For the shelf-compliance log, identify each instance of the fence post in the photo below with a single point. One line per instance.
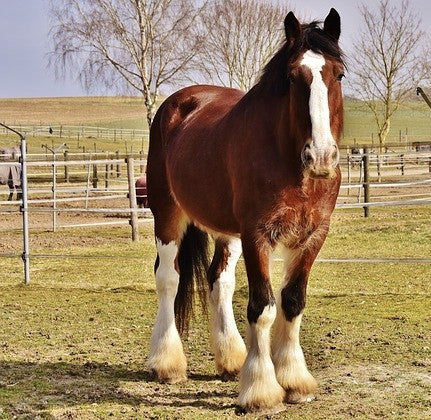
(348, 172)
(117, 156)
(66, 167)
(366, 160)
(24, 210)
(106, 172)
(87, 191)
(141, 155)
(111, 169)
(132, 199)
(95, 175)
(54, 193)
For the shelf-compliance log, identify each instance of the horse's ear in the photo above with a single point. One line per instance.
(332, 24)
(292, 27)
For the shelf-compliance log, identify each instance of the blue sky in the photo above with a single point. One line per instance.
(24, 27)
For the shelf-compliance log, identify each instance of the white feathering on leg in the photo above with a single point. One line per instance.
(289, 362)
(166, 355)
(228, 345)
(258, 384)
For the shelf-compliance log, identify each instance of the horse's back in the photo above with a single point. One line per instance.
(196, 106)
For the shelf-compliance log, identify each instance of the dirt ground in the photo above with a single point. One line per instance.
(73, 344)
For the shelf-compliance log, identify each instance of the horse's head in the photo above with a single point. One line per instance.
(315, 109)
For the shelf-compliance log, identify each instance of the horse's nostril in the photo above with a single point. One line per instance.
(335, 154)
(307, 156)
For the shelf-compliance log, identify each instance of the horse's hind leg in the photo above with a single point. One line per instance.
(290, 366)
(11, 191)
(19, 193)
(166, 357)
(228, 345)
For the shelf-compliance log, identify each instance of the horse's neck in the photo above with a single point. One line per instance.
(265, 119)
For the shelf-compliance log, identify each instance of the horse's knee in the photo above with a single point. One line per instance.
(293, 296)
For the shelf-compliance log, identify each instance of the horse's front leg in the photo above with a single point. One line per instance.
(258, 384)
(290, 366)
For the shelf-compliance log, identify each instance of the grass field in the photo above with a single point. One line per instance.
(73, 343)
(126, 112)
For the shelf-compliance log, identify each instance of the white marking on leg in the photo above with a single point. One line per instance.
(258, 384)
(290, 366)
(228, 345)
(319, 106)
(166, 356)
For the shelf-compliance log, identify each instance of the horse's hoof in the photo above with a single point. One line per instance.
(168, 377)
(294, 397)
(261, 412)
(228, 376)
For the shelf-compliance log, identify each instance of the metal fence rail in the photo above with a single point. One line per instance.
(44, 198)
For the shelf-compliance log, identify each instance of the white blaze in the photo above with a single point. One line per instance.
(321, 135)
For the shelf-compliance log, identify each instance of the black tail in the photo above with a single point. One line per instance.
(193, 262)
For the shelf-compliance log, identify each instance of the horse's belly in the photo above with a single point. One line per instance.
(201, 188)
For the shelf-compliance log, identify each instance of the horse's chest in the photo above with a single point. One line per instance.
(296, 227)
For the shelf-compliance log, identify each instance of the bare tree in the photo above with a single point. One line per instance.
(386, 63)
(128, 44)
(242, 36)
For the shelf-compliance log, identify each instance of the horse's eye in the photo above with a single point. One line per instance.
(340, 76)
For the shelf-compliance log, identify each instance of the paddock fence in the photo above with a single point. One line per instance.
(78, 131)
(101, 187)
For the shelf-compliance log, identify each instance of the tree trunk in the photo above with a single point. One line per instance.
(150, 107)
(151, 111)
(382, 134)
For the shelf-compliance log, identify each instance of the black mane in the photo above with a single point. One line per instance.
(313, 37)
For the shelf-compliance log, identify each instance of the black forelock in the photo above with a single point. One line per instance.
(317, 40)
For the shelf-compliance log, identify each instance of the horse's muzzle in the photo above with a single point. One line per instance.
(318, 163)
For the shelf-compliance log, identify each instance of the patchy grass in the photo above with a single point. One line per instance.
(115, 112)
(73, 343)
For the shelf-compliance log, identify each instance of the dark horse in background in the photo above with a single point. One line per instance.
(141, 192)
(10, 175)
(254, 171)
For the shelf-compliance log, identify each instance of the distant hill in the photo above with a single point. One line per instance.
(121, 112)
(412, 120)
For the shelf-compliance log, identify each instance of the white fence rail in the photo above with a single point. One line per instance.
(97, 179)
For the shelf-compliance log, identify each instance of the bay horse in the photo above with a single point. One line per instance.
(253, 170)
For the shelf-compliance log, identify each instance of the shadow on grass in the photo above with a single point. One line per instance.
(30, 389)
